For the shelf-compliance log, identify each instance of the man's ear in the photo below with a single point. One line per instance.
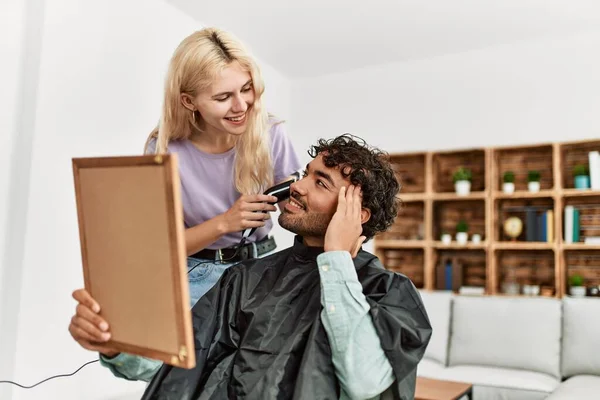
(365, 215)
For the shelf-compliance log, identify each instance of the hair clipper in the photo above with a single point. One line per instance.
(281, 191)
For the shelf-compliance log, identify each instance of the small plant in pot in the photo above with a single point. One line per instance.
(461, 232)
(462, 181)
(581, 176)
(446, 237)
(508, 182)
(533, 179)
(576, 288)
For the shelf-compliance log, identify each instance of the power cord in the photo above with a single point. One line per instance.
(52, 377)
(237, 250)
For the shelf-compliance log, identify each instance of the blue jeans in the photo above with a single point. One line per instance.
(206, 274)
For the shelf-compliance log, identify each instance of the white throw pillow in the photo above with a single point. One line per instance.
(438, 305)
(581, 337)
(521, 333)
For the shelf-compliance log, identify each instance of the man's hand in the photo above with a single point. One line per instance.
(343, 232)
(87, 327)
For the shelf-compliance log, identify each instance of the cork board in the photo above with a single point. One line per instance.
(133, 253)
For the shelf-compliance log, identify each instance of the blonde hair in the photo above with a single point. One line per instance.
(197, 61)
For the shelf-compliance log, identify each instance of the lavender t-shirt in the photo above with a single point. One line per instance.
(207, 187)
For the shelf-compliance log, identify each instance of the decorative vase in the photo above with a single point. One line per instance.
(476, 238)
(446, 238)
(533, 187)
(582, 182)
(461, 237)
(462, 188)
(511, 288)
(508, 187)
(577, 291)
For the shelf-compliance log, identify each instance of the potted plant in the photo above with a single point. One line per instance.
(476, 238)
(577, 289)
(533, 179)
(446, 237)
(462, 181)
(581, 176)
(461, 232)
(508, 182)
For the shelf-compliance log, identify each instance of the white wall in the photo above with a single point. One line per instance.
(20, 41)
(528, 92)
(100, 82)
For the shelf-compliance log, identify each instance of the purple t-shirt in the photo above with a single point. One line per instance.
(207, 187)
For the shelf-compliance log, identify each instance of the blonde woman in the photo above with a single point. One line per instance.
(230, 150)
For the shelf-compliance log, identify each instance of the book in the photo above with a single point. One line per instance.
(550, 226)
(568, 233)
(576, 226)
(594, 166)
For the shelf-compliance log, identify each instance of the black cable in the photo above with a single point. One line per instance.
(52, 377)
(93, 361)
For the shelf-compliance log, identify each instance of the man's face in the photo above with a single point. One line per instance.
(313, 201)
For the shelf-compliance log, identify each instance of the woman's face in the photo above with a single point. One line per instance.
(224, 106)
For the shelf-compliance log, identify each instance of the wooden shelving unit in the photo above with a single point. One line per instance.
(431, 206)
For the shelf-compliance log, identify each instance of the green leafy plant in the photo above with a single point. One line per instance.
(580, 170)
(462, 226)
(576, 280)
(509, 177)
(533, 176)
(462, 174)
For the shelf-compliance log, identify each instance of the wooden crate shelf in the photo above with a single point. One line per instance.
(585, 263)
(524, 194)
(410, 262)
(410, 170)
(457, 246)
(446, 163)
(464, 268)
(529, 211)
(572, 154)
(447, 214)
(454, 196)
(409, 224)
(580, 193)
(521, 160)
(430, 206)
(588, 209)
(521, 268)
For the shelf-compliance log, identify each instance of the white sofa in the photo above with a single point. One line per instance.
(526, 348)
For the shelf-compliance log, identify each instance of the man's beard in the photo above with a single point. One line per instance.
(305, 224)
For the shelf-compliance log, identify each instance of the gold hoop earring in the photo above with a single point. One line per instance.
(194, 116)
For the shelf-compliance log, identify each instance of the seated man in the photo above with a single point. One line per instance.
(322, 319)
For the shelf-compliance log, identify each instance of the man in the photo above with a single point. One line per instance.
(319, 320)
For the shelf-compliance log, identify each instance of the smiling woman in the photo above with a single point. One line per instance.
(229, 151)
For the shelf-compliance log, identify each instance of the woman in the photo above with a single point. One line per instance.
(229, 151)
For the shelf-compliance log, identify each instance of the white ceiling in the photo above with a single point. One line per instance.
(316, 37)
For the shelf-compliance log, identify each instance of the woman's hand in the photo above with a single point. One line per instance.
(246, 212)
(87, 327)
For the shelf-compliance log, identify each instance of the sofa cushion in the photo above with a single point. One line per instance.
(581, 336)
(438, 306)
(493, 383)
(506, 332)
(430, 369)
(577, 387)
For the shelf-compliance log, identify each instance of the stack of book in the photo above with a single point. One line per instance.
(539, 225)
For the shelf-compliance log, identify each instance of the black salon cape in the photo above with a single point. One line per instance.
(258, 332)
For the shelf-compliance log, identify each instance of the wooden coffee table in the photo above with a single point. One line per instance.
(434, 389)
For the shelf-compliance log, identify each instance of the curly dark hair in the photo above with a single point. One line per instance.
(370, 168)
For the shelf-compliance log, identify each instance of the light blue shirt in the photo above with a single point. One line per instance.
(361, 366)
